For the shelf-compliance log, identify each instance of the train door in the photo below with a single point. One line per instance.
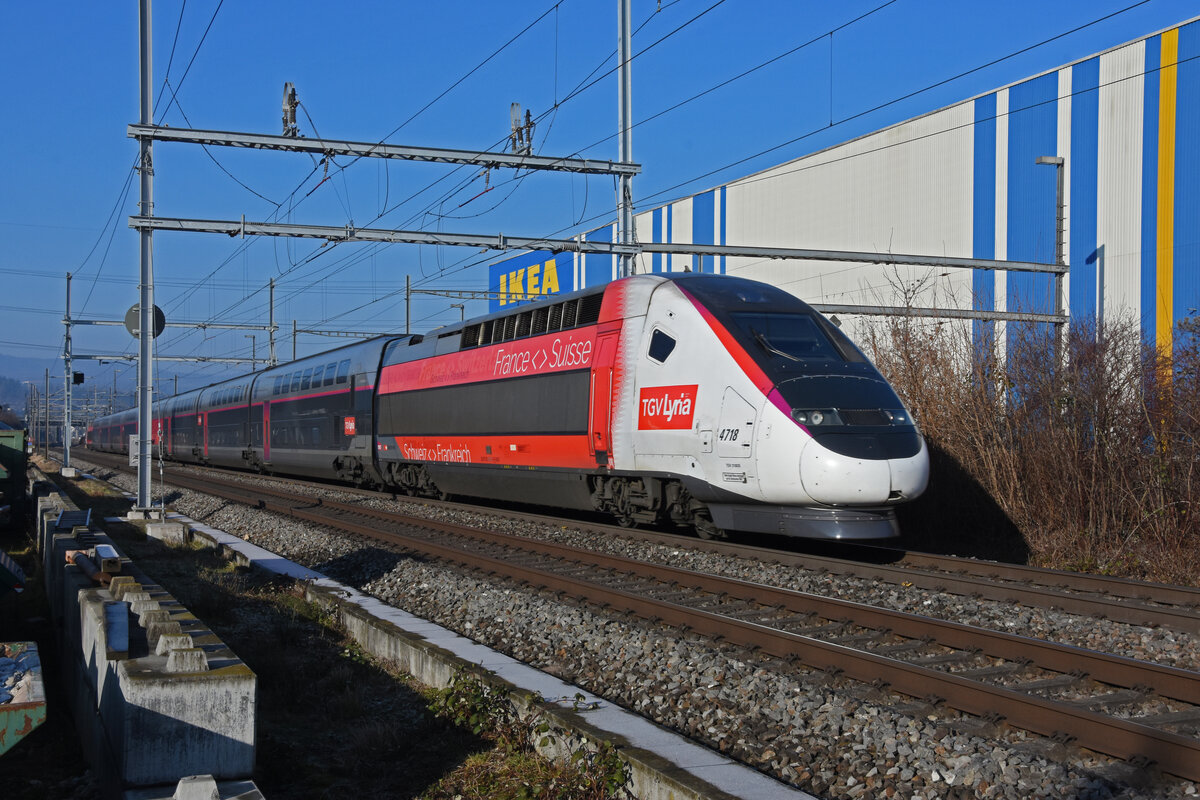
(266, 430)
(600, 407)
(735, 433)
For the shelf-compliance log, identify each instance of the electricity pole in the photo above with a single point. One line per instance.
(146, 309)
(625, 139)
(46, 419)
(66, 471)
(271, 326)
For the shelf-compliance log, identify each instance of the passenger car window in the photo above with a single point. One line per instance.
(306, 378)
(343, 373)
(330, 374)
(661, 345)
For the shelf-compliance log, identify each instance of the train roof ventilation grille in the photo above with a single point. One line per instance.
(535, 321)
(539, 320)
(589, 309)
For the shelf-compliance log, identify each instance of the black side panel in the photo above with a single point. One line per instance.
(310, 423)
(539, 487)
(227, 428)
(542, 404)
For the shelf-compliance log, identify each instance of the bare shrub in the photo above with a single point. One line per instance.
(1085, 454)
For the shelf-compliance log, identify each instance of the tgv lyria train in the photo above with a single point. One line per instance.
(700, 400)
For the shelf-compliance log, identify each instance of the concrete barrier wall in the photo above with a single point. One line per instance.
(155, 695)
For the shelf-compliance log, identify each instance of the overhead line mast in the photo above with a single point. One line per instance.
(625, 142)
(146, 284)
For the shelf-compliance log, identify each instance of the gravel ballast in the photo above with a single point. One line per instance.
(837, 739)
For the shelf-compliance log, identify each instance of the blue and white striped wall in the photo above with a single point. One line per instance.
(962, 181)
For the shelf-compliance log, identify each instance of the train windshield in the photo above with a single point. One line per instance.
(785, 336)
(790, 337)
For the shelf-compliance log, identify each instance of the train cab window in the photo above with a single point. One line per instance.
(343, 373)
(788, 337)
(306, 379)
(661, 345)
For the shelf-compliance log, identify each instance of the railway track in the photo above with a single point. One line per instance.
(1122, 707)
(1098, 596)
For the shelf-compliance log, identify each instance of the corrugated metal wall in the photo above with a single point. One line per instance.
(963, 181)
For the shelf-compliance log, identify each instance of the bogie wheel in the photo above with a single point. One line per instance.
(706, 529)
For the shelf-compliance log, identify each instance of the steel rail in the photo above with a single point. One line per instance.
(1172, 682)
(1175, 754)
(979, 579)
(1179, 684)
(1076, 581)
(1126, 609)
(1187, 598)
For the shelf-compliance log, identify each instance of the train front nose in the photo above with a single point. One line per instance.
(864, 448)
(837, 479)
(844, 472)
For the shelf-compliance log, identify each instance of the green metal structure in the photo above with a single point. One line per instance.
(23, 703)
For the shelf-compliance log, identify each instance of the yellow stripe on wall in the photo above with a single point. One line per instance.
(1165, 273)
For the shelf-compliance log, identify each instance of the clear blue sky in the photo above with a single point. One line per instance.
(365, 69)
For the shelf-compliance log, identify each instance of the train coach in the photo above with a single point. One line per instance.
(704, 401)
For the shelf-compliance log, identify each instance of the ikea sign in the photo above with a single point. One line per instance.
(529, 276)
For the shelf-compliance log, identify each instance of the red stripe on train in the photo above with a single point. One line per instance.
(540, 355)
(555, 450)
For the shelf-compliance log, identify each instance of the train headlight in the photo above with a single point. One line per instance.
(899, 416)
(816, 416)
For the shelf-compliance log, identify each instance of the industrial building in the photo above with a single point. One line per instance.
(965, 181)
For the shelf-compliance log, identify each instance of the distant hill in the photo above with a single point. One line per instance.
(29, 369)
(13, 395)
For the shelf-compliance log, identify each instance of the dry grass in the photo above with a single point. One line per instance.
(1088, 465)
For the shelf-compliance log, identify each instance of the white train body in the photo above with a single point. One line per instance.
(712, 413)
